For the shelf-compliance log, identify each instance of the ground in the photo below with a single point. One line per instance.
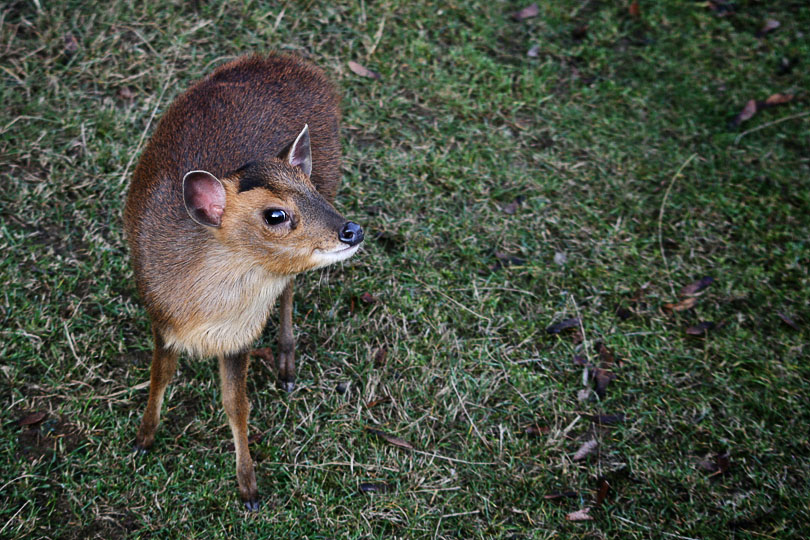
(512, 346)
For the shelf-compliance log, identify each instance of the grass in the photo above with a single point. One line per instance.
(611, 149)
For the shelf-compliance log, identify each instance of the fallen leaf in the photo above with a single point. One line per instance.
(778, 99)
(717, 465)
(769, 26)
(606, 356)
(126, 92)
(32, 419)
(579, 515)
(71, 44)
(390, 439)
(697, 286)
(375, 402)
(534, 52)
(563, 325)
(606, 419)
(512, 207)
(788, 320)
(363, 71)
(603, 378)
(748, 111)
(526, 13)
(379, 356)
(369, 487)
(554, 495)
(368, 298)
(585, 450)
(265, 353)
(634, 9)
(700, 329)
(602, 491)
(683, 305)
(535, 430)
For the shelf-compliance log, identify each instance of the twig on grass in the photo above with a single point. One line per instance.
(661, 219)
(769, 124)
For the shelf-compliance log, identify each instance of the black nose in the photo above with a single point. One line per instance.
(351, 233)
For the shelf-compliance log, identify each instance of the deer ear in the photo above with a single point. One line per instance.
(300, 152)
(204, 196)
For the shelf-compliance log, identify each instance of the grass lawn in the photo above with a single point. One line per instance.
(587, 163)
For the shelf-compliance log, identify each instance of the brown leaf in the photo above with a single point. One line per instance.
(265, 354)
(634, 10)
(606, 356)
(563, 325)
(554, 495)
(700, 329)
(748, 111)
(368, 298)
(602, 491)
(379, 356)
(607, 419)
(363, 71)
(788, 320)
(535, 430)
(585, 450)
(683, 305)
(370, 487)
(71, 44)
(778, 99)
(390, 439)
(697, 286)
(375, 402)
(579, 515)
(769, 26)
(125, 92)
(526, 13)
(32, 419)
(603, 378)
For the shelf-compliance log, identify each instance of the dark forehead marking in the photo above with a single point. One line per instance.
(268, 175)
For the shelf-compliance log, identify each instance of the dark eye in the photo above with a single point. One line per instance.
(275, 217)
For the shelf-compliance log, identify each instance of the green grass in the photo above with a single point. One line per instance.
(588, 136)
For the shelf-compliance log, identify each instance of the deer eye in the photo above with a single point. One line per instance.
(275, 217)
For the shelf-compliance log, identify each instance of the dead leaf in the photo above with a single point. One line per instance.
(606, 419)
(32, 418)
(748, 111)
(125, 92)
(769, 26)
(390, 439)
(700, 329)
(602, 491)
(71, 44)
(697, 286)
(265, 353)
(579, 515)
(534, 52)
(535, 431)
(778, 99)
(634, 10)
(788, 320)
(603, 378)
(369, 487)
(379, 356)
(375, 402)
(563, 325)
(512, 207)
(683, 305)
(526, 13)
(606, 356)
(717, 465)
(368, 298)
(363, 71)
(585, 450)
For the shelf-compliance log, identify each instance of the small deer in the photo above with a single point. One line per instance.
(231, 199)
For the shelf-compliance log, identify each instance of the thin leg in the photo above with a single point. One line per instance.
(164, 363)
(286, 341)
(233, 375)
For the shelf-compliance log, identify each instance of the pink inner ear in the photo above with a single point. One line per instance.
(204, 197)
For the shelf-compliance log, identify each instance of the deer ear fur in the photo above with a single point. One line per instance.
(204, 197)
(301, 153)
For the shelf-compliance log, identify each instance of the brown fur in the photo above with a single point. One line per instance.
(208, 289)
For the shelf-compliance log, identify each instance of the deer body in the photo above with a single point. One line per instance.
(231, 198)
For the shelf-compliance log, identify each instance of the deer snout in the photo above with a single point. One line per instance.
(351, 233)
